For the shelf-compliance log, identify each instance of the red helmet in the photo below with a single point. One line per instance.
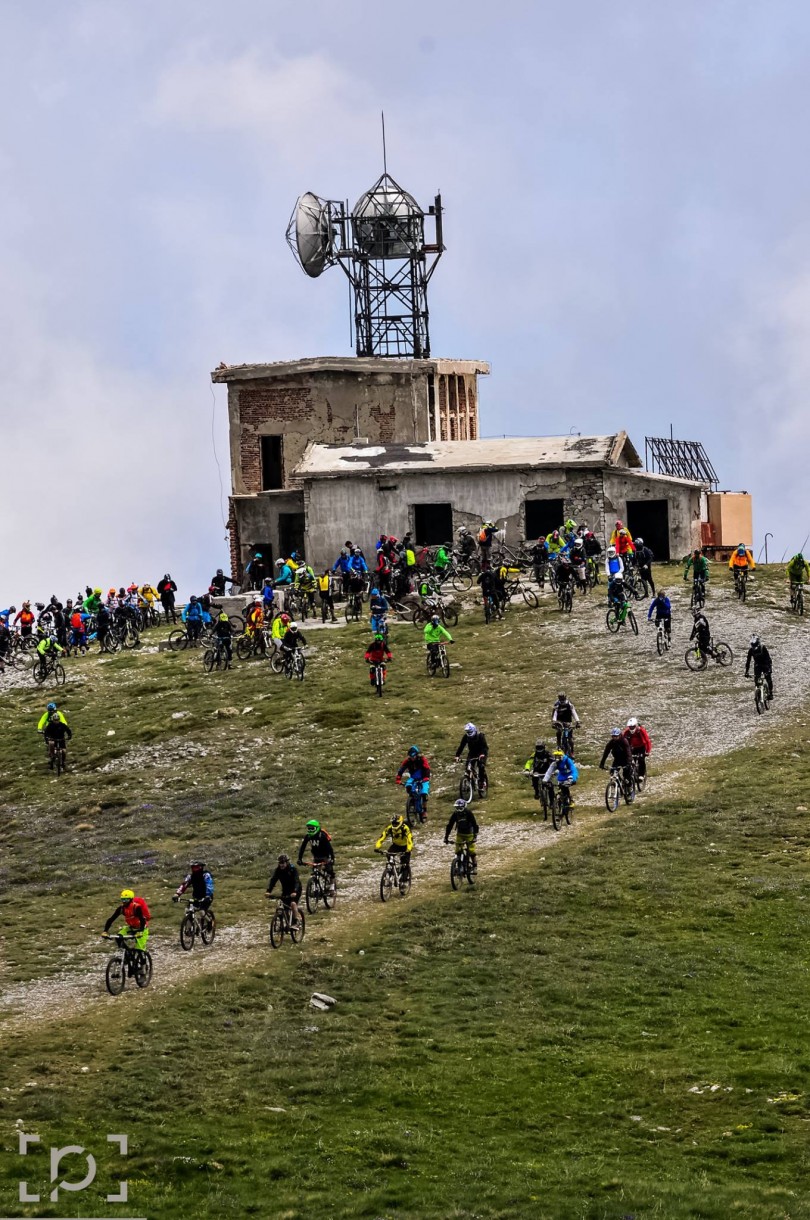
(285, 618)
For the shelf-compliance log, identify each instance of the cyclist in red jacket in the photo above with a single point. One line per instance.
(136, 916)
(377, 653)
(640, 745)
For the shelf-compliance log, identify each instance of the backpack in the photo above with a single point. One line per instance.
(482, 535)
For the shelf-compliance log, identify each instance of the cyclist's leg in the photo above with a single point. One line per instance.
(142, 939)
(460, 840)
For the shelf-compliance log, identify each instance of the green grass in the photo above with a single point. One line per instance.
(527, 1049)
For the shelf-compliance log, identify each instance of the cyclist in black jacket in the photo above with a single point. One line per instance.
(619, 747)
(476, 745)
(466, 826)
(287, 876)
(320, 844)
(763, 664)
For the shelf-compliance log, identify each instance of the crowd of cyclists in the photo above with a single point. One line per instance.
(398, 578)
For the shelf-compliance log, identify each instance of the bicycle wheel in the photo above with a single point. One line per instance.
(487, 610)
(450, 617)
(298, 930)
(37, 674)
(483, 789)
(277, 930)
(631, 618)
(386, 884)
(723, 654)
(115, 976)
(378, 681)
(188, 930)
(208, 928)
(612, 795)
(410, 812)
(59, 760)
(465, 788)
(313, 895)
(461, 582)
(445, 664)
(404, 886)
(276, 663)
(557, 811)
(329, 892)
(209, 660)
(300, 665)
(612, 620)
(530, 598)
(143, 970)
(456, 872)
(629, 791)
(659, 643)
(800, 602)
(696, 661)
(244, 648)
(178, 640)
(641, 782)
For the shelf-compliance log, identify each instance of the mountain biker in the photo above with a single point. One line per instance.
(401, 843)
(569, 530)
(223, 634)
(418, 769)
(579, 562)
(57, 731)
(565, 771)
(378, 605)
(320, 844)
(25, 618)
(279, 629)
(218, 582)
(798, 571)
(78, 631)
(292, 639)
(326, 595)
(47, 648)
(614, 564)
(593, 547)
(490, 584)
(287, 876)
(538, 764)
(466, 542)
(475, 743)
(254, 618)
(466, 826)
(268, 598)
(742, 560)
(701, 632)
(166, 590)
(619, 747)
(763, 665)
(202, 886)
(640, 744)
(377, 653)
(555, 543)
(306, 583)
(563, 715)
(435, 634)
(565, 573)
(192, 616)
(539, 557)
(45, 717)
(104, 621)
(441, 561)
(644, 559)
(136, 916)
(622, 540)
(285, 574)
(485, 536)
(661, 607)
(699, 564)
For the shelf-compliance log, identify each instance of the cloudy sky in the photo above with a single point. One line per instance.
(627, 222)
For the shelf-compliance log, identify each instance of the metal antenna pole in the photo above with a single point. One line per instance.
(385, 163)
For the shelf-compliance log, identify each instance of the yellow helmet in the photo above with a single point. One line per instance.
(127, 894)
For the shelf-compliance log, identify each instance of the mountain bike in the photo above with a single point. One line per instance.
(619, 785)
(282, 925)
(663, 638)
(741, 582)
(354, 608)
(493, 608)
(463, 868)
(321, 886)
(565, 597)
(513, 587)
(197, 922)
(128, 961)
(698, 599)
(293, 663)
(393, 878)
(251, 643)
(48, 667)
(617, 618)
(57, 756)
(797, 598)
(593, 572)
(379, 678)
(560, 805)
(639, 779)
(437, 662)
(697, 659)
(565, 738)
(216, 658)
(762, 696)
(416, 803)
(472, 781)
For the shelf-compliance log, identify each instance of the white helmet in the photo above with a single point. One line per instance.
(279, 563)
(292, 627)
(470, 729)
(611, 551)
(632, 723)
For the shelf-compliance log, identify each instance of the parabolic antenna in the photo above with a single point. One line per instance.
(309, 234)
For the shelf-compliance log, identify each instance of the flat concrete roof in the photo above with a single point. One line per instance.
(354, 365)
(361, 458)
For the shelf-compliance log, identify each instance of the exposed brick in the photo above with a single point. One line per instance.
(386, 423)
(263, 404)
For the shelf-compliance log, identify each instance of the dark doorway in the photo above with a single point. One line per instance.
(290, 533)
(649, 519)
(543, 516)
(266, 551)
(432, 524)
(272, 465)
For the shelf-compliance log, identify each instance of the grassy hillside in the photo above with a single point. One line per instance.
(544, 1046)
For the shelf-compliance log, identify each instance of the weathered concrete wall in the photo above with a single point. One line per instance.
(257, 521)
(684, 502)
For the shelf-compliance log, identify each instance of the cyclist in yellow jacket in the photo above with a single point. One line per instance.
(401, 842)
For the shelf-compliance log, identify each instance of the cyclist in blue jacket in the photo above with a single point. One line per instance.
(661, 607)
(564, 770)
(193, 618)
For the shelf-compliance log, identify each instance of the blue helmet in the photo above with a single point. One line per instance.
(51, 707)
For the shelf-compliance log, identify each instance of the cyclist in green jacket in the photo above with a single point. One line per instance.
(699, 564)
(798, 571)
(436, 634)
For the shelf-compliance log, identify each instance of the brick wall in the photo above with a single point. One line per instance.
(266, 404)
(386, 424)
(235, 543)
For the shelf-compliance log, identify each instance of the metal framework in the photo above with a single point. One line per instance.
(380, 245)
(680, 459)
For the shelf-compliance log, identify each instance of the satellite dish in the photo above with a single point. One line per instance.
(310, 234)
